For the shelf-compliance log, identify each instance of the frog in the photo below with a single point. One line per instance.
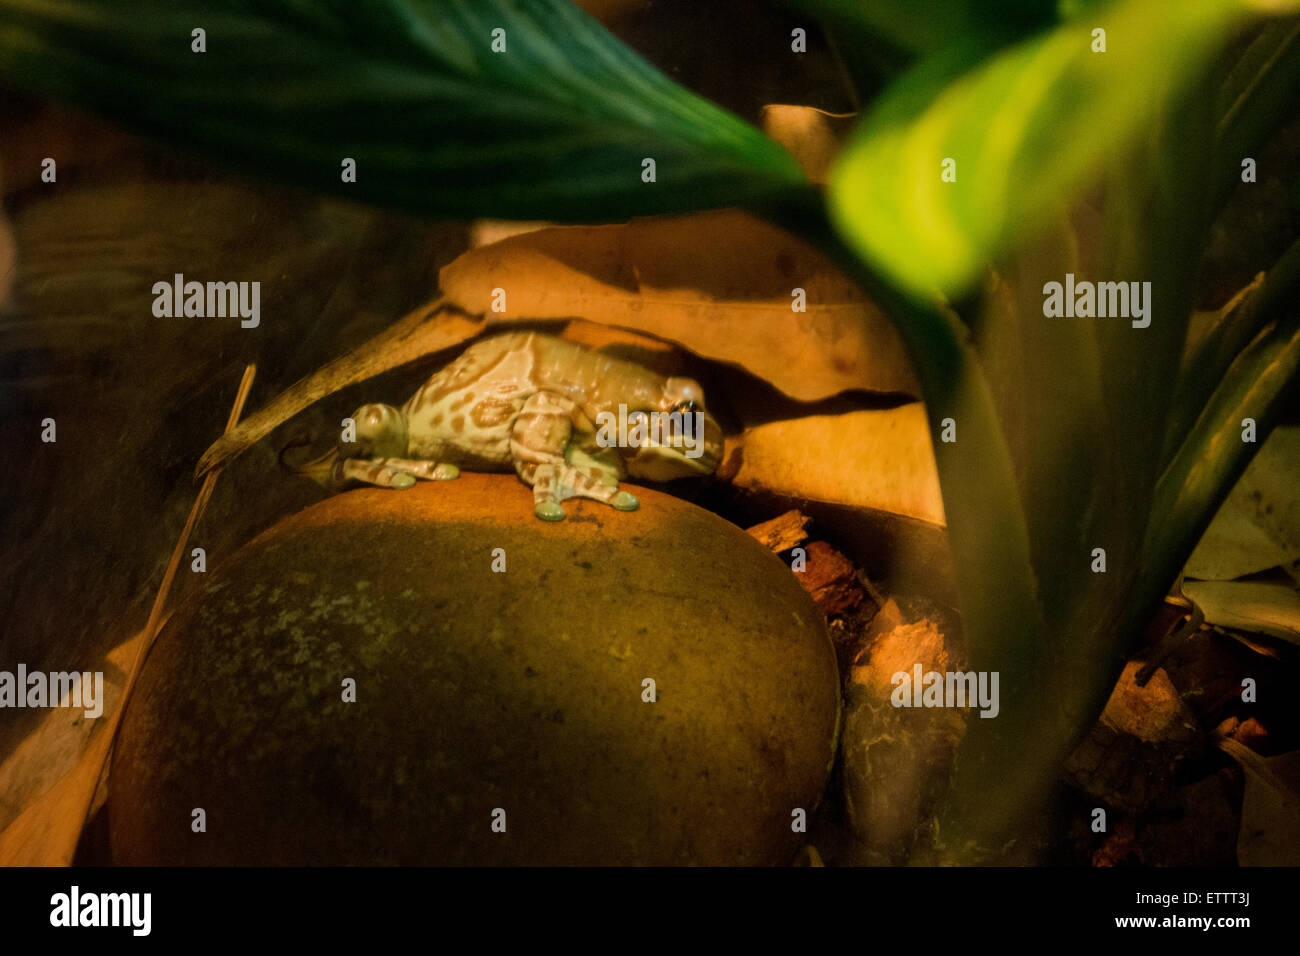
(543, 407)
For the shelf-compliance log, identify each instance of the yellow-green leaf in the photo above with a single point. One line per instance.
(1025, 131)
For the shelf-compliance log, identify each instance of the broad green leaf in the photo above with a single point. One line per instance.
(1065, 417)
(1154, 228)
(1071, 458)
(1213, 456)
(1266, 60)
(1081, 402)
(990, 544)
(557, 126)
(1046, 379)
(1220, 337)
(1257, 97)
(1213, 340)
(1249, 378)
(1028, 130)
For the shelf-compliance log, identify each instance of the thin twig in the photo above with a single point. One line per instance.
(1174, 639)
(160, 599)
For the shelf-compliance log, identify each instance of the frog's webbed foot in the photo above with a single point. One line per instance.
(556, 482)
(396, 473)
(548, 510)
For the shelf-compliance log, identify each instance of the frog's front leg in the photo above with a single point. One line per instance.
(369, 471)
(538, 443)
(421, 468)
(399, 473)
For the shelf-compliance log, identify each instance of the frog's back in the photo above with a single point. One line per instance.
(465, 412)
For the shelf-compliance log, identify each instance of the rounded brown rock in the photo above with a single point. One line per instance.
(478, 691)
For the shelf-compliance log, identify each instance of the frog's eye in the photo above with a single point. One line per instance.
(685, 407)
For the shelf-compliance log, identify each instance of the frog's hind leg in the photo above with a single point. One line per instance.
(538, 442)
(596, 475)
(399, 473)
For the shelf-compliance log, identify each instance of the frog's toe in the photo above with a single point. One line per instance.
(403, 481)
(549, 511)
(625, 502)
(446, 472)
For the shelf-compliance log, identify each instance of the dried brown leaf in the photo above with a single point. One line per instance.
(48, 829)
(1270, 809)
(425, 331)
(872, 458)
(1259, 606)
(719, 284)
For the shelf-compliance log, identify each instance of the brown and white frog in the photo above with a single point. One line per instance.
(571, 421)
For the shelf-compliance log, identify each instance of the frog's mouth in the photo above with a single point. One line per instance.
(663, 458)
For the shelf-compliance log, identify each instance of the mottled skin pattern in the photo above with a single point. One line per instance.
(527, 402)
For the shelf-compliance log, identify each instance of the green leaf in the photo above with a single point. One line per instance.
(1221, 337)
(1154, 229)
(990, 544)
(1213, 456)
(1067, 391)
(1046, 379)
(1028, 130)
(1213, 340)
(1256, 98)
(555, 127)
(1238, 364)
(1066, 416)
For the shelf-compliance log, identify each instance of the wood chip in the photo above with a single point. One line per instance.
(831, 579)
(783, 532)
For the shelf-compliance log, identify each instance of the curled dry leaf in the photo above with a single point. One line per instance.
(1261, 607)
(870, 458)
(484, 232)
(718, 284)
(1270, 810)
(52, 774)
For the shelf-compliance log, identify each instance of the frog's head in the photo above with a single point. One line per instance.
(380, 432)
(682, 438)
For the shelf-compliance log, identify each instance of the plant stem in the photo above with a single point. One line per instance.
(995, 776)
